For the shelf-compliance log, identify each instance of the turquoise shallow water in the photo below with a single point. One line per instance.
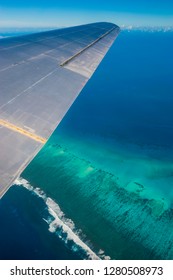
(109, 163)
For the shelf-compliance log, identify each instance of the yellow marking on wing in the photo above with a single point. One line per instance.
(22, 131)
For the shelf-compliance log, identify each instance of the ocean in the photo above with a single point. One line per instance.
(101, 186)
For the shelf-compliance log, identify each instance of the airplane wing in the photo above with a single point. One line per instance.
(40, 77)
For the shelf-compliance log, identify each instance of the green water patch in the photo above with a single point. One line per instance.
(135, 168)
(112, 216)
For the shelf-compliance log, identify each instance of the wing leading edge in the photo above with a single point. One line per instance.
(40, 76)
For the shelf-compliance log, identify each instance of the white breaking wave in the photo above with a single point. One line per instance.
(60, 221)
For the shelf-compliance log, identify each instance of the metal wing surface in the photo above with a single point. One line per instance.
(40, 77)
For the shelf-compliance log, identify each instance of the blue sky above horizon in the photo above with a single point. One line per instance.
(54, 13)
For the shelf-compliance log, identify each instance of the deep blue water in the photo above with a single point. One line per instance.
(122, 124)
(130, 97)
(24, 234)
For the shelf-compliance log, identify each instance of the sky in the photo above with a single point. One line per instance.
(55, 13)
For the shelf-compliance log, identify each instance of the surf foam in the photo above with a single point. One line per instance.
(60, 222)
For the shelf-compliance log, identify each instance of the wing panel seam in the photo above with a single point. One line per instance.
(87, 47)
